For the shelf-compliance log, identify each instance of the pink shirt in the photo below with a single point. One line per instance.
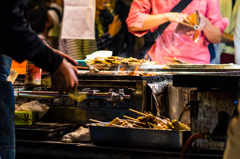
(172, 44)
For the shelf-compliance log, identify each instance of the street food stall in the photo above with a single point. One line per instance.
(129, 108)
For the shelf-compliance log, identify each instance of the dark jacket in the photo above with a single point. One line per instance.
(124, 42)
(18, 41)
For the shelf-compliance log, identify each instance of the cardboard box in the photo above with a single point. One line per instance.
(25, 117)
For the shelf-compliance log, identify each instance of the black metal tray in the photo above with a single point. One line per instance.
(138, 137)
(43, 130)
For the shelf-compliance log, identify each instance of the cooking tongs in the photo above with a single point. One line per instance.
(191, 23)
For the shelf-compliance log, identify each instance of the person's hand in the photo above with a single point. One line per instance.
(64, 79)
(190, 33)
(115, 26)
(204, 22)
(68, 58)
(176, 17)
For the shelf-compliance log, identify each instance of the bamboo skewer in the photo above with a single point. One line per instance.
(96, 121)
(148, 120)
(137, 112)
(138, 122)
(129, 117)
(120, 126)
(149, 125)
(154, 126)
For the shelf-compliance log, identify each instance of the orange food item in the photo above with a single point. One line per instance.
(19, 67)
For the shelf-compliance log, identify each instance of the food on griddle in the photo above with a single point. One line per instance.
(146, 120)
(176, 61)
(118, 60)
(136, 73)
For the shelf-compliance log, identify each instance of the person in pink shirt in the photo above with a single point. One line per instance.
(147, 15)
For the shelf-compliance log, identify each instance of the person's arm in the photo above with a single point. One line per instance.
(212, 23)
(107, 38)
(211, 32)
(227, 38)
(20, 43)
(60, 66)
(54, 41)
(158, 19)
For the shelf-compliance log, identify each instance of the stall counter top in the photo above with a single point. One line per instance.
(57, 149)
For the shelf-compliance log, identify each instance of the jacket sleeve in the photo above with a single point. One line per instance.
(17, 39)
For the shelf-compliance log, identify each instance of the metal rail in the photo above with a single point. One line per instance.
(92, 94)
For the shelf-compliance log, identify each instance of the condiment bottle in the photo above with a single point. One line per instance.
(33, 74)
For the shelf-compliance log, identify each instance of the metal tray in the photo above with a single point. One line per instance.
(114, 67)
(43, 130)
(139, 137)
(104, 66)
(207, 66)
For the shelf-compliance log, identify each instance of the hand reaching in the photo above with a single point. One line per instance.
(64, 79)
(176, 17)
(68, 58)
(115, 26)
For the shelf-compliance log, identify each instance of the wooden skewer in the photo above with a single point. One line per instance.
(96, 121)
(152, 114)
(134, 121)
(120, 126)
(129, 117)
(146, 113)
(138, 126)
(82, 68)
(106, 124)
(149, 125)
(137, 112)
(156, 126)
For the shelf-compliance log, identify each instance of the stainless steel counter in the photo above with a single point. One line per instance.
(29, 149)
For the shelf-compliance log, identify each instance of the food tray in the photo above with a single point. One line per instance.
(207, 66)
(137, 137)
(43, 130)
(104, 66)
(115, 67)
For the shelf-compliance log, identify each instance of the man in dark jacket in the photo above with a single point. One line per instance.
(18, 42)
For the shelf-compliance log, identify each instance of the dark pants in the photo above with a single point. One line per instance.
(7, 134)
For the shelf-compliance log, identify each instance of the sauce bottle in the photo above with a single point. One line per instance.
(33, 74)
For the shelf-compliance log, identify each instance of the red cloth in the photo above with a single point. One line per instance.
(226, 58)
